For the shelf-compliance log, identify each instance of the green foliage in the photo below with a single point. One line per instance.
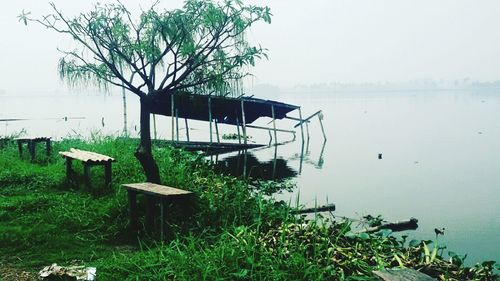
(235, 233)
(200, 47)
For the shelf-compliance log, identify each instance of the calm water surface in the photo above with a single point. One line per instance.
(440, 164)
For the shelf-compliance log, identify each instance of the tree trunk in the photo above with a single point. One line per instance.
(143, 152)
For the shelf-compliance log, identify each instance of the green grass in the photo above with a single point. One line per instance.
(235, 233)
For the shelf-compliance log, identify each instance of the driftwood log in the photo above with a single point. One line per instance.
(403, 274)
(410, 224)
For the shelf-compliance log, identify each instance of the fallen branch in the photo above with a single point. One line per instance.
(410, 224)
(325, 208)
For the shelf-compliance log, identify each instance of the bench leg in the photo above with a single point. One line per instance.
(163, 210)
(31, 148)
(86, 174)
(48, 147)
(20, 148)
(132, 209)
(69, 168)
(150, 207)
(107, 174)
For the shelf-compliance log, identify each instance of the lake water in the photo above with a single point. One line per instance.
(440, 154)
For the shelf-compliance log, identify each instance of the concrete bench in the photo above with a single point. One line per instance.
(88, 159)
(153, 193)
(31, 143)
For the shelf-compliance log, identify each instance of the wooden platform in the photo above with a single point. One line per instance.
(207, 147)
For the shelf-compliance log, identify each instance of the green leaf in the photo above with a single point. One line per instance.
(414, 243)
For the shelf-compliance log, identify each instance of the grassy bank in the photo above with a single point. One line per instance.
(234, 232)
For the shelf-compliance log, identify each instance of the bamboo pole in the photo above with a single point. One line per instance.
(172, 113)
(210, 116)
(274, 126)
(154, 125)
(301, 127)
(187, 128)
(217, 130)
(238, 128)
(244, 123)
(177, 123)
(320, 118)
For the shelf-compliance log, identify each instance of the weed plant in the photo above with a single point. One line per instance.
(234, 233)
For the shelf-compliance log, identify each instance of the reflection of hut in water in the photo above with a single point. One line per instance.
(276, 169)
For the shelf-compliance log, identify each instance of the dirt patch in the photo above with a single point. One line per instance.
(13, 274)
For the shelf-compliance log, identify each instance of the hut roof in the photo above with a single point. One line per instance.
(224, 110)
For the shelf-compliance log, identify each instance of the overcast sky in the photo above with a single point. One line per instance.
(309, 42)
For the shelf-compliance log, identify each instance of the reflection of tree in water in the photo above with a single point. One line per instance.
(276, 169)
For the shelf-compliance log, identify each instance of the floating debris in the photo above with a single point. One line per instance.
(79, 273)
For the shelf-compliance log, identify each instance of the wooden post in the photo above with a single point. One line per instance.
(217, 130)
(69, 170)
(107, 173)
(187, 128)
(238, 128)
(86, 173)
(132, 208)
(172, 114)
(244, 127)
(274, 126)
(320, 117)
(301, 127)
(177, 123)
(210, 116)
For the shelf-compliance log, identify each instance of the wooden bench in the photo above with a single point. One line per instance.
(4, 142)
(31, 143)
(89, 159)
(164, 194)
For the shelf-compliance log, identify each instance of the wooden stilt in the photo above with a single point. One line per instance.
(274, 126)
(177, 123)
(210, 116)
(187, 128)
(172, 114)
(244, 123)
(307, 130)
(275, 161)
(154, 126)
(217, 130)
(320, 118)
(301, 127)
(238, 128)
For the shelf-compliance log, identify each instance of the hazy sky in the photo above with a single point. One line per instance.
(309, 41)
